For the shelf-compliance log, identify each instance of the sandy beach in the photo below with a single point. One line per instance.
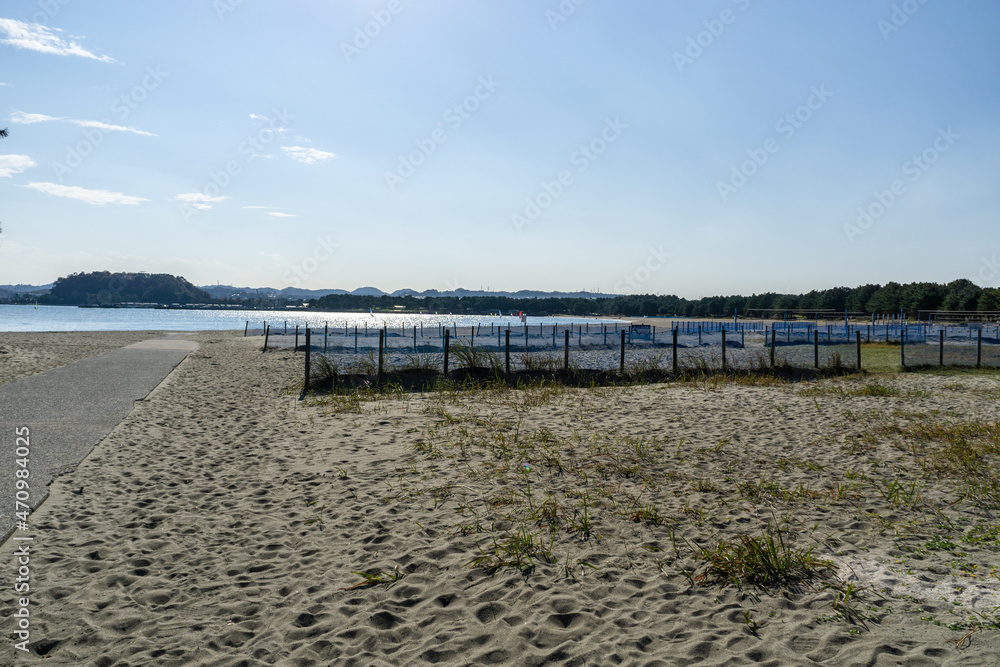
(226, 522)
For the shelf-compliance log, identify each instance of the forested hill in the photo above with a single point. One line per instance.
(888, 298)
(105, 288)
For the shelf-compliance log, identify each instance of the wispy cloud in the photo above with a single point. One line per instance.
(98, 197)
(28, 118)
(308, 155)
(4, 84)
(108, 127)
(23, 118)
(279, 214)
(15, 164)
(37, 37)
(264, 207)
(199, 201)
(266, 121)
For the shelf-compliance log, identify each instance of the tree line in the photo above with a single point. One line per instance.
(872, 298)
(105, 288)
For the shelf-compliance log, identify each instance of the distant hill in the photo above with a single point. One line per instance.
(26, 289)
(105, 288)
(522, 294)
(232, 293)
(243, 293)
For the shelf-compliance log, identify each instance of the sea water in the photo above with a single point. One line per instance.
(72, 318)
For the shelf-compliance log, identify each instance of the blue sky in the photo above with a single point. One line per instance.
(717, 147)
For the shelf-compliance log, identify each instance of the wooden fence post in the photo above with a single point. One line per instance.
(941, 349)
(816, 348)
(305, 385)
(267, 331)
(381, 344)
(245, 329)
(902, 348)
(566, 352)
(772, 346)
(621, 366)
(858, 334)
(506, 351)
(723, 348)
(979, 349)
(675, 351)
(326, 331)
(447, 340)
(296, 338)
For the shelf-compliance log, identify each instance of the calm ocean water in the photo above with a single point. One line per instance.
(70, 318)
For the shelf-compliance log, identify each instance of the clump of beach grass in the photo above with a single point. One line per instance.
(538, 362)
(764, 560)
(468, 356)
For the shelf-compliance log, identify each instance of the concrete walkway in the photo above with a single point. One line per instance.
(70, 409)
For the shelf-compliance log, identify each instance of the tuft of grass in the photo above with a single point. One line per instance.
(467, 356)
(421, 361)
(365, 364)
(765, 560)
(375, 578)
(515, 550)
(898, 492)
(323, 373)
(648, 515)
(875, 388)
(847, 600)
(538, 362)
(650, 365)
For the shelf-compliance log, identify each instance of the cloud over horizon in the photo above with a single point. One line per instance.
(96, 197)
(40, 38)
(22, 118)
(15, 164)
(199, 201)
(308, 155)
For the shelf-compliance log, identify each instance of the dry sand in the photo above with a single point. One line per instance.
(24, 354)
(224, 523)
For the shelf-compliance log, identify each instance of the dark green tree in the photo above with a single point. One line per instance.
(886, 300)
(961, 295)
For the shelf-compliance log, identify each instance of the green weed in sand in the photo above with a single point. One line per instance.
(515, 550)
(375, 578)
(764, 560)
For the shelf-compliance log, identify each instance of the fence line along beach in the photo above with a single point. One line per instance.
(684, 346)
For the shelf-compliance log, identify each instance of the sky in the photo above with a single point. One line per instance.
(666, 147)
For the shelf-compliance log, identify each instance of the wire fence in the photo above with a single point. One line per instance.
(683, 346)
